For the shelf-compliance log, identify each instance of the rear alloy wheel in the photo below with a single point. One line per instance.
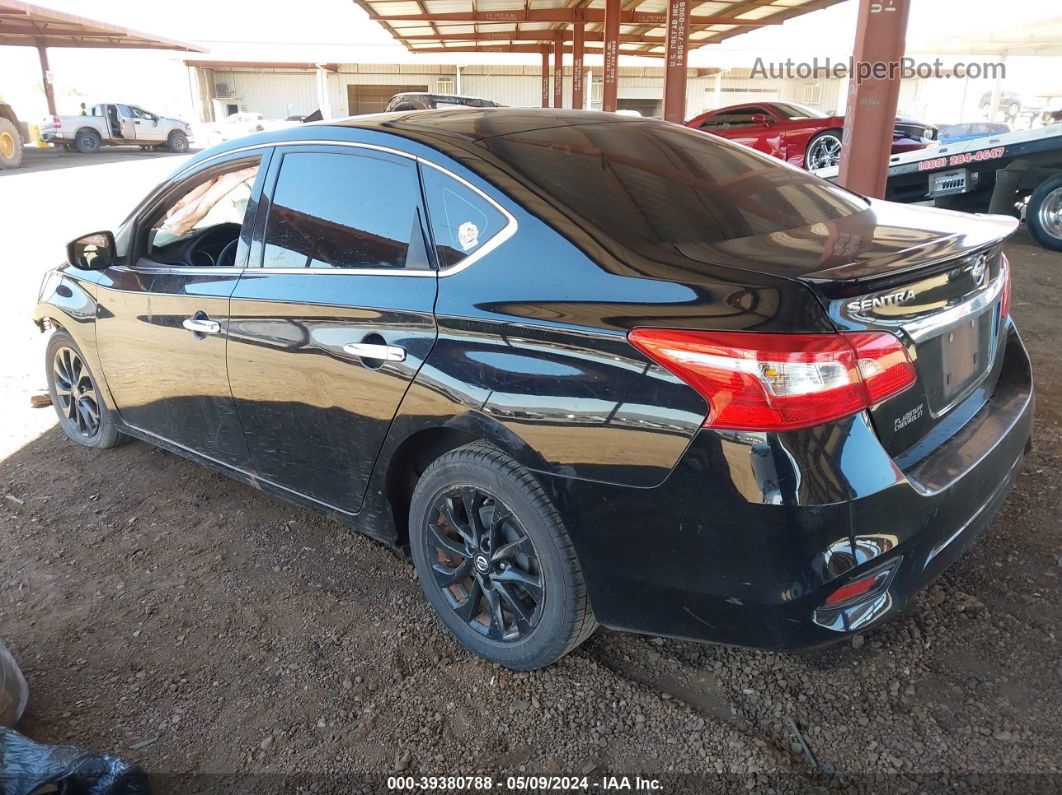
(83, 416)
(177, 142)
(824, 151)
(495, 561)
(1043, 215)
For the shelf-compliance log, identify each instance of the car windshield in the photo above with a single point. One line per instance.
(792, 110)
(656, 185)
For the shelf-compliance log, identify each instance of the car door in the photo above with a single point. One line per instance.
(333, 319)
(147, 125)
(162, 318)
(126, 122)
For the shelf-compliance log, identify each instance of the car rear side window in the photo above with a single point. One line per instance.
(345, 211)
(463, 221)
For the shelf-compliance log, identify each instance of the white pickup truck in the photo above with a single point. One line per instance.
(115, 124)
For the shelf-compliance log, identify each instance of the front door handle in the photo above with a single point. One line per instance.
(201, 325)
(368, 350)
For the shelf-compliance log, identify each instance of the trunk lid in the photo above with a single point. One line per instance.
(932, 277)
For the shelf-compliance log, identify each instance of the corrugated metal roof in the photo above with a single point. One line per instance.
(531, 25)
(31, 25)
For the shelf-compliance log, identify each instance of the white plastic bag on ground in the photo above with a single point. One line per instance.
(13, 690)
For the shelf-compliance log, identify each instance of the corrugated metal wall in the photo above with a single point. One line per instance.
(277, 93)
(272, 93)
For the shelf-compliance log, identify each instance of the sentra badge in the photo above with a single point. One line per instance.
(869, 304)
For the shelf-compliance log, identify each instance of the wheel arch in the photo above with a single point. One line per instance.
(89, 129)
(419, 448)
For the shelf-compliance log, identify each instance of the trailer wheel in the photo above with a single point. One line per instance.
(1043, 215)
(87, 141)
(10, 145)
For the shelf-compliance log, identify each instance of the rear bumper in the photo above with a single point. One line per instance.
(748, 536)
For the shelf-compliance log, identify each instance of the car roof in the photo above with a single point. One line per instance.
(469, 123)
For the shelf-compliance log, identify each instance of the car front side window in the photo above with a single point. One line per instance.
(204, 221)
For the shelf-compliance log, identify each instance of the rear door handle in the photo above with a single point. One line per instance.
(201, 325)
(368, 350)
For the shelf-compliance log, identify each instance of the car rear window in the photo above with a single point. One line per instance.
(653, 184)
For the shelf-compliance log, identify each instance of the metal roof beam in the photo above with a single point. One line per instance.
(593, 15)
(530, 35)
(529, 48)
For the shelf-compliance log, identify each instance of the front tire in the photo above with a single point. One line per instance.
(824, 150)
(177, 142)
(495, 561)
(1043, 215)
(83, 414)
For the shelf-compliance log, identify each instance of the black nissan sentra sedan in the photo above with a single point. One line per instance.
(585, 369)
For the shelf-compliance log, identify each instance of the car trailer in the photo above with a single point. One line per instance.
(1017, 173)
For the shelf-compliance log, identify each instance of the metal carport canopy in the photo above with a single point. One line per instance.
(27, 25)
(648, 28)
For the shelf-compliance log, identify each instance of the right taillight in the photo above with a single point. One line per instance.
(1004, 303)
(776, 382)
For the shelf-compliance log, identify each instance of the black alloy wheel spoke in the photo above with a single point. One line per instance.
(485, 563)
(446, 510)
(473, 501)
(469, 609)
(496, 628)
(520, 616)
(529, 582)
(521, 546)
(445, 543)
(447, 576)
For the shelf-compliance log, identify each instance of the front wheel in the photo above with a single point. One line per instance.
(177, 142)
(1043, 215)
(83, 415)
(495, 561)
(824, 151)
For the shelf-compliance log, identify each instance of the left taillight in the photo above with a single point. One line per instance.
(1004, 303)
(778, 382)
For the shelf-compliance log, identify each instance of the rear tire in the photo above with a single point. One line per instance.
(1043, 215)
(177, 142)
(10, 145)
(87, 141)
(83, 414)
(520, 567)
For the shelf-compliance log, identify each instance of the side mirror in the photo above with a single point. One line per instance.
(761, 119)
(93, 252)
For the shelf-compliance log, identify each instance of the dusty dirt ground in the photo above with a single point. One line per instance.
(256, 646)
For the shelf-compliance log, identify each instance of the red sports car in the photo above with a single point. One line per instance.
(803, 136)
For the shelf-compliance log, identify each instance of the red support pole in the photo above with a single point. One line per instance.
(873, 93)
(558, 71)
(577, 66)
(611, 71)
(678, 39)
(46, 78)
(545, 76)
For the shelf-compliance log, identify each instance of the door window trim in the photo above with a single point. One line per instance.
(506, 232)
